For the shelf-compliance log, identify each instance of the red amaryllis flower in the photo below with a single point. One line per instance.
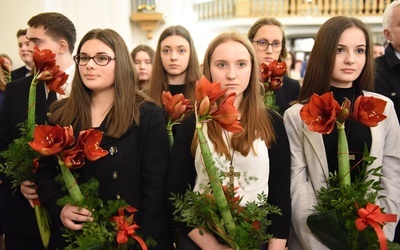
(227, 115)
(176, 106)
(275, 83)
(3, 65)
(50, 140)
(89, 142)
(271, 75)
(320, 113)
(211, 89)
(55, 84)
(73, 158)
(277, 68)
(43, 59)
(369, 110)
(265, 73)
(47, 71)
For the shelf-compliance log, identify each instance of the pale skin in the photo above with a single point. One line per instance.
(175, 54)
(100, 80)
(231, 65)
(350, 58)
(37, 36)
(143, 65)
(24, 51)
(269, 33)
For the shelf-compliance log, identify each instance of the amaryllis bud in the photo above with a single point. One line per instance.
(344, 114)
(204, 107)
(46, 75)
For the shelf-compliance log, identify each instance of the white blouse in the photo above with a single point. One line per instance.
(253, 169)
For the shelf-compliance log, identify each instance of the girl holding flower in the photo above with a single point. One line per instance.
(176, 67)
(269, 41)
(341, 62)
(258, 154)
(104, 97)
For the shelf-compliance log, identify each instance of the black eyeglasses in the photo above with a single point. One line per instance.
(264, 44)
(101, 60)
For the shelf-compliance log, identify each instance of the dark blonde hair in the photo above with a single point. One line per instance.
(321, 63)
(269, 21)
(142, 47)
(159, 77)
(254, 118)
(124, 112)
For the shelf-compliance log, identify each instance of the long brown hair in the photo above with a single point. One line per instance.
(269, 21)
(124, 112)
(159, 77)
(321, 63)
(254, 118)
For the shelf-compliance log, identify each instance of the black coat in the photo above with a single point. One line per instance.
(287, 93)
(387, 78)
(17, 210)
(19, 73)
(135, 171)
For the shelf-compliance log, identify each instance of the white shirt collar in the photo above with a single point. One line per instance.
(397, 53)
(68, 84)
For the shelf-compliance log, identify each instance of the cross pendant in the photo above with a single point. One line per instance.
(231, 175)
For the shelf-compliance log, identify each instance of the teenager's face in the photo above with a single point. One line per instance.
(268, 34)
(24, 50)
(37, 36)
(95, 77)
(143, 65)
(175, 54)
(350, 58)
(231, 65)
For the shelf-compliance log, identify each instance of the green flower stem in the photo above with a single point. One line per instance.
(270, 100)
(42, 219)
(32, 106)
(70, 183)
(343, 156)
(170, 136)
(215, 184)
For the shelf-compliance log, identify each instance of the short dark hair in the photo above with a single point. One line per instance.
(21, 32)
(57, 26)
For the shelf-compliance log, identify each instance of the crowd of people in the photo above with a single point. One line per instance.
(119, 92)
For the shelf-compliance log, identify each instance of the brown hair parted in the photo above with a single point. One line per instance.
(254, 118)
(269, 21)
(57, 26)
(321, 63)
(124, 112)
(159, 78)
(142, 47)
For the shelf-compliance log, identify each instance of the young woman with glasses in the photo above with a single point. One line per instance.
(268, 39)
(104, 96)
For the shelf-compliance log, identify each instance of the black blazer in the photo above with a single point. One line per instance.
(387, 77)
(287, 93)
(17, 210)
(135, 172)
(19, 73)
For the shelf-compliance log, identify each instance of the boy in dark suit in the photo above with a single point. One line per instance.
(51, 31)
(25, 53)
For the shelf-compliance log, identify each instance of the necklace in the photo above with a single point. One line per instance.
(231, 174)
